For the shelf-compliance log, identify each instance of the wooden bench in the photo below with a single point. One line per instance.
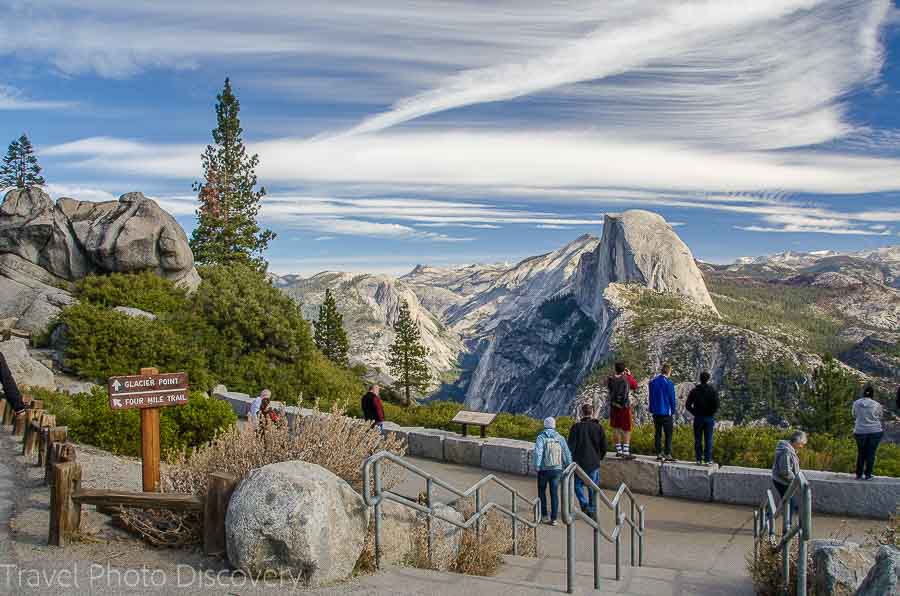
(482, 419)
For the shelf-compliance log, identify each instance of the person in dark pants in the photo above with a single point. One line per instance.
(868, 432)
(662, 406)
(10, 389)
(587, 442)
(551, 457)
(372, 408)
(787, 464)
(703, 403)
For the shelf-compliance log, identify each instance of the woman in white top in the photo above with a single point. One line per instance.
(868, 432)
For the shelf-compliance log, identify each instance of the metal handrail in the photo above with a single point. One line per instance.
(373, 481)
(764, 528)
(570, 516)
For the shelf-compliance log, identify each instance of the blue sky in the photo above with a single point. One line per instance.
(396, 132)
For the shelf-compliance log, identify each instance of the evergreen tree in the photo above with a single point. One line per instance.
(331, 338)
(20, 167)
(227, 231)
(407, 361)
(825, 405)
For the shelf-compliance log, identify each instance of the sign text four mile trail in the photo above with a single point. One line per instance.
(148, 391)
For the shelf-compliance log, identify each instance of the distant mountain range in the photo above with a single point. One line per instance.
(537, 336)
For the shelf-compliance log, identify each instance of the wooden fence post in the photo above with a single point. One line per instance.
(65, 514)
(19, 424)
(3, 406)
(56, 436)
(218, 495)
(9, 414)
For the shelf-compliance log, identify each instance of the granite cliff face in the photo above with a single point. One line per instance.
(45, 246)
(535, 363)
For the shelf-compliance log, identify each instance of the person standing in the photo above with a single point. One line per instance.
(867, 431)
(787, 463)
(551, 456)
(256, 405)
(662, 407)
(10, 389)
(587, 444)
(620, 386)
(703, 403)
(372, 408)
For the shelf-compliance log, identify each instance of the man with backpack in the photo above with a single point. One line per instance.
(587, 443)
(551, 456)
(620, 387)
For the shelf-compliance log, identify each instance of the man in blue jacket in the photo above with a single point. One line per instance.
(662, 406)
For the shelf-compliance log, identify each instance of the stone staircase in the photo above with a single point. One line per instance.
(534, 577)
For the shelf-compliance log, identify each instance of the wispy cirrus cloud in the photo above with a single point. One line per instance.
(12, 98)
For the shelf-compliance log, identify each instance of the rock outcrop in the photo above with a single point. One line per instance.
(44, 246)
(884, 577)
(639, 247)
(27, 371)
(839, 567)
(296, 520)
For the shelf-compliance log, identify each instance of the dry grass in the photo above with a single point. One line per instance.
(331, 439)
(765, 572)
(481, 553)
(889, 535)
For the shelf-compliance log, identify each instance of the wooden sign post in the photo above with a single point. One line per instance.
(149, 391)
(482, 419)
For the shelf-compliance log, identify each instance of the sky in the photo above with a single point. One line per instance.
(397, 132)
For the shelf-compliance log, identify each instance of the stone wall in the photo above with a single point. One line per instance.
(836, 494)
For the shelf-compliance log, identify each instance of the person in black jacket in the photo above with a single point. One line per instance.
(10, 389)
(703, 403)
(372, 408)
(587, 442)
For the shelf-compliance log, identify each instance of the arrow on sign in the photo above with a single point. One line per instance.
(117, 403)
(116, 385)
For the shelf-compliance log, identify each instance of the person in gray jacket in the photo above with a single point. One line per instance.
(867, 431)
(787, 463)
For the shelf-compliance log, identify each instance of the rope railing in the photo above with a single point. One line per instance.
(795, 511)
(570, 515)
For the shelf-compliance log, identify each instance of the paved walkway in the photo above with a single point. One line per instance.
(692, 548)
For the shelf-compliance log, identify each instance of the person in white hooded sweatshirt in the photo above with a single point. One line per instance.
(868, 432)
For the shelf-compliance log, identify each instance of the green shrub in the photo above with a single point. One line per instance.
(145, 290)
(235, 329)
(91, 421)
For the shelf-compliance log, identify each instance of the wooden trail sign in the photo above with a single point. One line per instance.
(148, 392)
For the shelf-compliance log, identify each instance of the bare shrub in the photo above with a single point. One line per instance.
(889, 535)
(481, 553)
(766, 572)
(331, 439)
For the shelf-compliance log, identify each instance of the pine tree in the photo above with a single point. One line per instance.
(331, 338)
(20, 167)
(407, 361)
(227, 231)
(825, 405)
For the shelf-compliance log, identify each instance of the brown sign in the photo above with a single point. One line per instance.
(148, 391)
(476, 418)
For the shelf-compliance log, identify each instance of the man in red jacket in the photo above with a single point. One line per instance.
(620, 386)
(372, 408)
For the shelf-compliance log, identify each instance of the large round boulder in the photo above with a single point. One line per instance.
(839, 567)
(298, 521)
